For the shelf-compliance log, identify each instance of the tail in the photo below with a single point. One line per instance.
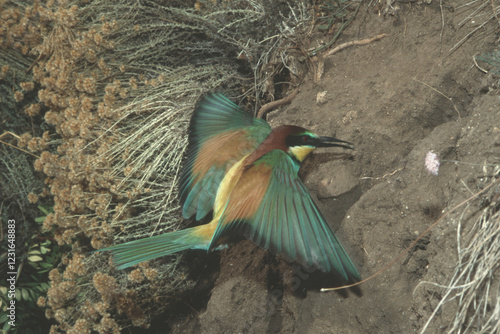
(130, 253)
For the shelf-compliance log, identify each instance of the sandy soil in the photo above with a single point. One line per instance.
(395, 99)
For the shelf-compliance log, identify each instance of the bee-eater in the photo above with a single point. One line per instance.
(247, 174)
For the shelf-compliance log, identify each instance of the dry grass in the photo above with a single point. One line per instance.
(117, 82)
(473, 293)
(478, 14)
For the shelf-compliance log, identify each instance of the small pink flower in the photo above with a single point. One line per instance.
(432, 163)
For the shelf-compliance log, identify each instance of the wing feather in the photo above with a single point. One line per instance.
(287, 220)
(220, 134)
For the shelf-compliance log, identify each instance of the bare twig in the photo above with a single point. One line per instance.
(440, 93)
(16, 147)
(271, 105)
(320, 59)
(383, 176)
(456, 46)
(477, 65)
(351, 43)
(442, 22)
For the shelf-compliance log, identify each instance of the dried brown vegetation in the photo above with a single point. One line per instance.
(116, 81)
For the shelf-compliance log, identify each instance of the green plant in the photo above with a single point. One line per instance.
(31, 283)
(339, 12)
(332, 12)
(491, 58)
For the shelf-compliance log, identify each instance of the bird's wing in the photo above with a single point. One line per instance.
(272, 207)
(220, 134)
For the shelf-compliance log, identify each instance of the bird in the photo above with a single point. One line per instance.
(246, 174)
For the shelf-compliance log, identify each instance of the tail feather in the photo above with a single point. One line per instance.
(130, 253)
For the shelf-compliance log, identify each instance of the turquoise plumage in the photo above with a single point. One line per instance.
(213, 117)
(247, 175)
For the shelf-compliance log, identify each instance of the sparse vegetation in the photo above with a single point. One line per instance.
(108, 88)
(98, 95)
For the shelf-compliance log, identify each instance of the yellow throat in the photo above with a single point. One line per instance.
(301, 152)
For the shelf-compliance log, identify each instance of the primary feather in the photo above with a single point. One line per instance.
(278, 214)
(248, 176)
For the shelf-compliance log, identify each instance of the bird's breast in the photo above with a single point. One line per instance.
(227, 185)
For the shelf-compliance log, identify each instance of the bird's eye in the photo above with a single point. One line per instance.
(305, 139)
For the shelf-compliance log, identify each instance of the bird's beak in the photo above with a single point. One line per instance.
(331, 142)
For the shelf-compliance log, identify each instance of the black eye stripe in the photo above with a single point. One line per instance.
(299, 140)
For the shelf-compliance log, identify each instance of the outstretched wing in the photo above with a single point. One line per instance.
(272, 207)
(220, 134)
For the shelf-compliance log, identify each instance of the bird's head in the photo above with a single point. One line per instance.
(300, 142)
